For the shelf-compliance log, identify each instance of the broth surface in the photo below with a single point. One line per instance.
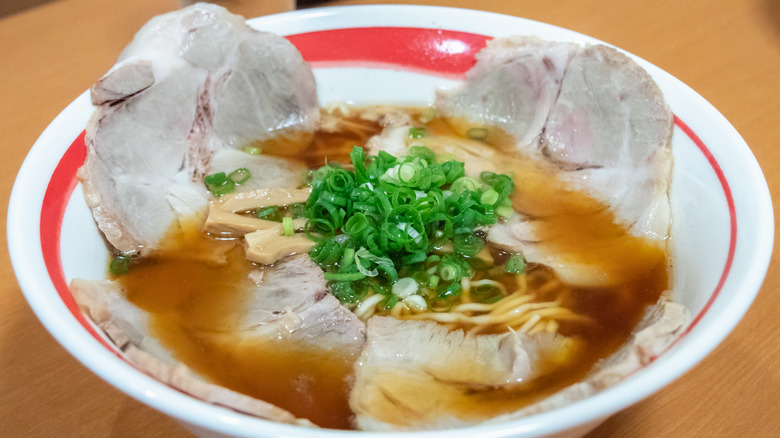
(195, 307)
(194, 302)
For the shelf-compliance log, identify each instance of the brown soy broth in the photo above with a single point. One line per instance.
(193, 303)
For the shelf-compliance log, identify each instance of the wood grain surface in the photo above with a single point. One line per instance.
(728, 51)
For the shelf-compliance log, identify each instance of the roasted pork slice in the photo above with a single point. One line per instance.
(286, 306)
(611, 127)
(416, 375)
(192, 83)
(292, 302)
(661, 326)
(585, 133)
(513, 86)
(127, 326)
(606, 128)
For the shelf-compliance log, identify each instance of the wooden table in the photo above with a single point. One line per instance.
(728, 51)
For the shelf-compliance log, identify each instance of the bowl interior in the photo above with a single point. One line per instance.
(722, 216)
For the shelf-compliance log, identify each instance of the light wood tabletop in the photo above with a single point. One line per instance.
(728, 51)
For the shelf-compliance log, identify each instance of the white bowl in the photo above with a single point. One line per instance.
(722, 215)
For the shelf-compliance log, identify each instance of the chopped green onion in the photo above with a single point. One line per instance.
(405, 287)
(421, 277)
(345, 292)
(467, 244)
(415, 257)
(515, 264)
(486, 293)
(422, 152)
(267, 213)
(416, 303)
(406, 172)
(339, 276)
(479, 134)
(240, 175)
(252, 150)
(432, 260)
(219, 184)
(364, 256)
(120, 265)
(216, 179)
(487, 176)
(385, 219)
(489, 197)
(465, 183)
(223, 189)
(297, 210)
(326, 252)
(418, 132)
(390, 302)
(450, 272)
(427, 114)
(505, 212)
(347, 258)
(451, 291)
(287, 224)
(440, 305)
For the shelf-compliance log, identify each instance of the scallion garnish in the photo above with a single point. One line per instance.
(405, 287)
(479, 134)
(240, 175)
(486, 293)
(401, 220)
(418, 132)
(221, 183)
(287, 226)
(390, 302)
(515, 264)
(268, 213)
(120, 265)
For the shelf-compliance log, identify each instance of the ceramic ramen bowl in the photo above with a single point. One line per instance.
(722, 215)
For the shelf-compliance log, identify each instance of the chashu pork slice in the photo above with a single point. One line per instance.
(608, 128)
(127, 327)
(288, 305)
(609, 136)
(662, 324)
(292, 303)
(571, 120)
(192, 83)
(416, 375)
(513, 86)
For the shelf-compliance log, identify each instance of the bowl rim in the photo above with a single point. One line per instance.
(142, 387)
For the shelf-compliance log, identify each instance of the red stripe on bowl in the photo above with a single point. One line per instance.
(55, 201)
(433, 51)
(732, 217)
